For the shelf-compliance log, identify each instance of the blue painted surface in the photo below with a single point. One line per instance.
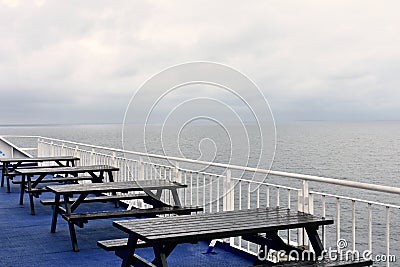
(26, 240)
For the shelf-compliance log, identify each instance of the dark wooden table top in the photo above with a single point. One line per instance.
(38, 159)
(67, 170)
(207, 226)
(114, 187)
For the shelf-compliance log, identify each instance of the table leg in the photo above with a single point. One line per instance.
(161, 253)
(155, 200)
(110, 176)
(5, 173)
(32, 205)
(111, 179)
(38, 180)
(21, 194)
(8, 183)
(77, 202)
(71, 225)
(315, 240)
(3, 170)
(7, 170)
(132, 242)
(177, 202)
(272, 241)
(55, 213)
(95, 178)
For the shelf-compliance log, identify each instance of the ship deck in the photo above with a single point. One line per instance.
(26, 241)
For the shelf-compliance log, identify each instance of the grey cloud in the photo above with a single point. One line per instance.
(90, 56)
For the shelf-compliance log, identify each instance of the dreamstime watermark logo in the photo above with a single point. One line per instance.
(206, 113)
(340, 252)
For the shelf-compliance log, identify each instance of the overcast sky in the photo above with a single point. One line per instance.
(81, 61)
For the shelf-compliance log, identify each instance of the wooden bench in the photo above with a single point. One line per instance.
(121, 244)
(10, 165)
(165, 233)
(323, 263)
(32, 177)
(11, 175)
(150, 191)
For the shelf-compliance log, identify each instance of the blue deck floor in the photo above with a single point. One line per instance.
(26, 241)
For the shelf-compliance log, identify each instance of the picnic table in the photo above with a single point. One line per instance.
(259, 226)
(11, 164)
(150, 191)
(29, 185)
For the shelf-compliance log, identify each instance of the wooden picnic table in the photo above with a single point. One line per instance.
(28, 184)
(164, 234)
(150, 191)
(11, 164)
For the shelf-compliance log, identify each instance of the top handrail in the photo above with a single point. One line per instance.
(306, 177)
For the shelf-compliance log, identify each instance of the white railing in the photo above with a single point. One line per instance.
(365, 224)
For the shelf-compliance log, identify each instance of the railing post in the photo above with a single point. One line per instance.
(117, 175)
(303, 206)
(338, 223)
(225, 192)
(310, 203)
(228, 192)
(178, 178)
(39, 147)
(388, 235)
(52, 150)
(370, 227)
(76, 151)
(177, 173)
(300, 207)
(92, 157)
(141, 169)
(114, 159)
(228, 199)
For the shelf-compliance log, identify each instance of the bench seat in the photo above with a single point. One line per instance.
(59, 179)
(38, 190)
(118, 244)
(84, 217)
(101, 198)
(14, 173)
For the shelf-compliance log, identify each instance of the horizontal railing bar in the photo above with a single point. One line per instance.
(22, 136)
(356, 199)
(347, 183)
(205, 173)
(144, 162)
(267, 184)
(28, 148)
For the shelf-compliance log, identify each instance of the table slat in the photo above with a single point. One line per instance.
(218, 225)
(114, 186)
(38, 159)
(63, 170)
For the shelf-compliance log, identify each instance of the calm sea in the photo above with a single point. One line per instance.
(361, 151)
